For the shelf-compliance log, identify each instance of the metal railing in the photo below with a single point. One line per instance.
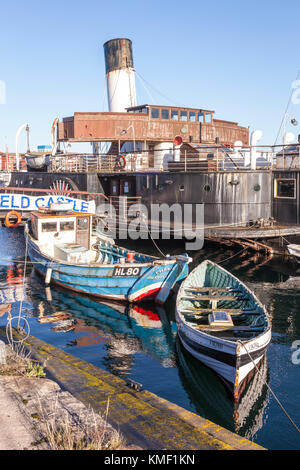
(209, 158)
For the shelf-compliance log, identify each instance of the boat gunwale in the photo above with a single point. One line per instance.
(156, 262)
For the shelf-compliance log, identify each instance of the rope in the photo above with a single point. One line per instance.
(226, 259)
(271, 391)
(154, 243)
(9, 334)
(286, 110)
(172, 101)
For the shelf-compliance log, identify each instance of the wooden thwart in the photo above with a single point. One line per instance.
(210, 297)
(225, 328)
(210, 289)
(207, 311)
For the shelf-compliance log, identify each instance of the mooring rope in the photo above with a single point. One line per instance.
(271, 391)
(149, 233)
(230, 257)
(9, 334)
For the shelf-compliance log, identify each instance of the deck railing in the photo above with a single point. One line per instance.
(204, 158)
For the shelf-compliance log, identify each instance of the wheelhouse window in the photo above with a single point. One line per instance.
(165, 114)
(82, 223)
(66, 226)
(155, 113)
(208, 117)
(285, 188)
(183, 115)
(49, 227)
(192, 116)
(200, 117)
(174, 115)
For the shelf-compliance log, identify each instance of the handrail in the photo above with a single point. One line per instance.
(191, 157)
(52, 191)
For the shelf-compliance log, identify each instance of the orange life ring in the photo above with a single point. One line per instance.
(7, 221)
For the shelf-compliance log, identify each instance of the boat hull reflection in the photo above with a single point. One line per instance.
(126, 329)
(211, 399)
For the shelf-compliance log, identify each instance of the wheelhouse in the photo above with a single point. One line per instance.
(62, 227)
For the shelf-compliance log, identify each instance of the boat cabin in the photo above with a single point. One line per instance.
(67, 234)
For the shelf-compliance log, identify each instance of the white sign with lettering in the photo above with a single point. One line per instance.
(22, 202)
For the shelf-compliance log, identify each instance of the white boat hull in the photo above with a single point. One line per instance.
(232, 361)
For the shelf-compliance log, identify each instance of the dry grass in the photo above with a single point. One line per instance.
(89, 432)
(17, 359)
(19, 362)
(62, 425)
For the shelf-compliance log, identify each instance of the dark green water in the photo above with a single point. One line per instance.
(141, 342)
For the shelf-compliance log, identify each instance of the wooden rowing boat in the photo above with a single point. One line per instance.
(222, 323)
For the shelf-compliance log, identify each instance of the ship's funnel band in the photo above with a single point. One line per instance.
(118, 54)
(120, 76)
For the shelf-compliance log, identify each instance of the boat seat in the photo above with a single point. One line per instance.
(212, 289)
(217, 328)
(207, 311)
(212, 297)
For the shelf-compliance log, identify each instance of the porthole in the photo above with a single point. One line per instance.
(181, 187)
(206, 187)
(256, 187)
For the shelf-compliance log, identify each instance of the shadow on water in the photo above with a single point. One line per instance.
(140, 342)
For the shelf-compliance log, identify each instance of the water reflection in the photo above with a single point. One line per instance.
(211, 400)
(126, 330)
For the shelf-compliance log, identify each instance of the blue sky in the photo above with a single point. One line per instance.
(237, 58)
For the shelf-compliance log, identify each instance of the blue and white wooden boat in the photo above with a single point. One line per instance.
(64, 249)
(222, 324)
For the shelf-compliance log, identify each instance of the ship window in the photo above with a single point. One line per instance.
(285, 188)
(155, 113)
(144, 110)
(208, 117)
(200, 117)
(183, 115)
(165, 114)
(192, 116)
(206, 187)
(82, 223)
(174, 115)
(66, 226)
(49, 227)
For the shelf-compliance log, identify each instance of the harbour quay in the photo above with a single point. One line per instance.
(145, 419)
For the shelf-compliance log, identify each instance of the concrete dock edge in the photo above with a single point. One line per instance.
(145, 419)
